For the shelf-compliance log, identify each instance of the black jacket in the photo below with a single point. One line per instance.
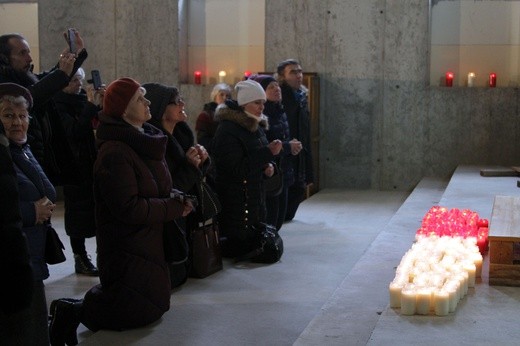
(76, 114)
(299, 125)
(279, 129)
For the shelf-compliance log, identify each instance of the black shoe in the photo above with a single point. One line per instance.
(84, 265)
(64, 322)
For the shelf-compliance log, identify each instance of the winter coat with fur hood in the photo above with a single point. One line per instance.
(241, 154)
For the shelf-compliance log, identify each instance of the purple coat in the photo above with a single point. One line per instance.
(131, 187)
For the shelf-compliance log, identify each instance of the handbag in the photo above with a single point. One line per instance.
(209, 205)
(267, 245)
(176, 248)
(273, 185)
(205, 252)
(53, 247)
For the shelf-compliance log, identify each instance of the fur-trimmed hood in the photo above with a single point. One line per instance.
(237, 115)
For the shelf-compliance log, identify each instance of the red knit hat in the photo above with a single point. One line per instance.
(118, 95)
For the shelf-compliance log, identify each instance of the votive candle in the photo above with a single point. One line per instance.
(449, 79)
(492, 80)
(471, 79)
(197, 77)
(442, 302)
(408, 300)
(423, 301)
(221, 76)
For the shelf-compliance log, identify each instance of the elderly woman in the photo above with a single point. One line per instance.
(36, 199)
(132, 189)
(206, 124)
(242, 156)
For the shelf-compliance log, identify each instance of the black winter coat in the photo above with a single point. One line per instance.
(299, 125)
(241, 154)
(279, 129)
(76, 114)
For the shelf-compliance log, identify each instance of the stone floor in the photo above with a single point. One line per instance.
(331, 287)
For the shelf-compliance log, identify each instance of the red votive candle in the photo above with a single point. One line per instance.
(247, 74)
(198, 77)
(492, 80)
(449, 79)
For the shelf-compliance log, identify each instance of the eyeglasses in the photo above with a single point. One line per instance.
(10, 118)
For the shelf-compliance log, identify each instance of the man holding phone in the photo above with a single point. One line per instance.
(16, 67)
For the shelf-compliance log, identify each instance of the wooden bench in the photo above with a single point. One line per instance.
(504, 242)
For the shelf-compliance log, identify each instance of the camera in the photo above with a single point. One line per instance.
(183, 197)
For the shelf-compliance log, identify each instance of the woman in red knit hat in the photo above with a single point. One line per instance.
(132, 188)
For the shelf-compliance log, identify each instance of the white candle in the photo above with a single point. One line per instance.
(471, 79)
(395, 294)
(423, 301)
(408, 299)
(442, 302)
(471, 269)
(453, 298)
(477, 259)
(465, 279)
(221, 76)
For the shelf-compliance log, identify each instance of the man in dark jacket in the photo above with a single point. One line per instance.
(294, 99)
(46, 135)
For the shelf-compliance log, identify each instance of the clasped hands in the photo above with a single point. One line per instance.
(43, 208)
(197, 155)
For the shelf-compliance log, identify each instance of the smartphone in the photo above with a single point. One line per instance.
(71, 38)
(96, 79)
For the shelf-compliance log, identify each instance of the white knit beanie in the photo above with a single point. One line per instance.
(249, 91)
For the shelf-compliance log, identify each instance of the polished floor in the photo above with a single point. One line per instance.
(331, 287)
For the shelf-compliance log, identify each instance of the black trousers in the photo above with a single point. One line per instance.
(295, 196)
(276, 208)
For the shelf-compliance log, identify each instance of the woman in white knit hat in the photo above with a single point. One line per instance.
(242, 157)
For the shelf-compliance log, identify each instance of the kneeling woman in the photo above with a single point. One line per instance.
(242, 158)
(132, 193)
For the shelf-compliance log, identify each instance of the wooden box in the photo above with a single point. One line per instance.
(504, 242)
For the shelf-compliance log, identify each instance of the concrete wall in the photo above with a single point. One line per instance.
(382, 126)
(123, 37)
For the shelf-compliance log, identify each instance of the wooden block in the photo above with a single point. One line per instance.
(505, 219)
(501, 252)
(499, 172)
(504, 238)
(504, 274)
